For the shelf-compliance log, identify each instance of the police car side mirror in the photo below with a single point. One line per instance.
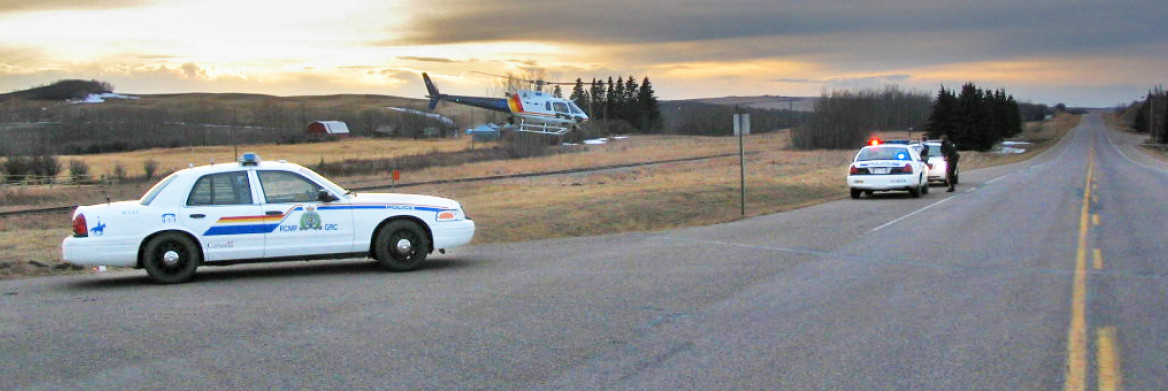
(324, 196)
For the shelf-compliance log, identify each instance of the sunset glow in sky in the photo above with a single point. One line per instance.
(1095, 54)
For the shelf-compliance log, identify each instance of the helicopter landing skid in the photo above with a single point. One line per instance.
(542, 129)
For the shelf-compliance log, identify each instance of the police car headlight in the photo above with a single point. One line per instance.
(452, 215)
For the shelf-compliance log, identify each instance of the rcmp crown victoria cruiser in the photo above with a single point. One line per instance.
(258, 211)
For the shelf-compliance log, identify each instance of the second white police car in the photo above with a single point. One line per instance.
(256, 211)
(888, 167)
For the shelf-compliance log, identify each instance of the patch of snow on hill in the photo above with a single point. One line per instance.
(100, 98)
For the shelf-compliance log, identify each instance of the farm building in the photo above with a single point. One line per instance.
(332, 128)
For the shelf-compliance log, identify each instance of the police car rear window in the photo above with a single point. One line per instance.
(883, 153)
(150, 195)
(229, 188)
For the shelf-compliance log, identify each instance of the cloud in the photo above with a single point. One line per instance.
(426, 59)
(193, 71)
(887, 33)
(10, 6)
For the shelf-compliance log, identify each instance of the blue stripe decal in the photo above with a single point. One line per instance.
(264, 228)
(241, 229)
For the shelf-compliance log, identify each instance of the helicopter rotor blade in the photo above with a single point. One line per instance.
(536, 82)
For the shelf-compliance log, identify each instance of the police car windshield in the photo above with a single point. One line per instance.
(883, 153)
(324, 181)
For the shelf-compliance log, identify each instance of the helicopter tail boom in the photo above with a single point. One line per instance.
(434, 95)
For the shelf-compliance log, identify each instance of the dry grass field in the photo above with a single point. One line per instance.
(621, 200)
(309, 154)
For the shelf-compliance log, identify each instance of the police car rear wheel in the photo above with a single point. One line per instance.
(401, 246)
(171, 258)
(855, 193)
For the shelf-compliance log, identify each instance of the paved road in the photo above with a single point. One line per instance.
(855, 294)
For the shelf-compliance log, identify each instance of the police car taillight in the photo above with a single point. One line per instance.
(853, 171)
(80, 229)
(907, 168)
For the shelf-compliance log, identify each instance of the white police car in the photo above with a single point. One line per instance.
(257, 211)
(938, 166)
(888, 167)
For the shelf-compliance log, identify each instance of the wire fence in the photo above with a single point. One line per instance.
(58, 180)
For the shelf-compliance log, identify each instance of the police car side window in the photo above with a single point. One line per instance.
(283, 186)
(229, 188)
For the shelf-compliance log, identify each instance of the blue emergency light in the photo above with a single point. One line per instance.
(249, 159)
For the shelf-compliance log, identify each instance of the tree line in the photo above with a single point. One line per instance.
(975, 119)
(845, 119)
(1151, 115)
(620, 100)
(706, 119)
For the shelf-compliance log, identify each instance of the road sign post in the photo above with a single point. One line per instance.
(741, 128)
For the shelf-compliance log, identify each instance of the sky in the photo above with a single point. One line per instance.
(1081, 53)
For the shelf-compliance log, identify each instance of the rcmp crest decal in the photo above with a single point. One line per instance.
(310, 219)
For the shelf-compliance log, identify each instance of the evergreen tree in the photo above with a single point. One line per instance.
(943, 118)
(629, 101)
(596, 98)
(609, 100)
(618, 100)
(1140, 122)
(1014, 122)
(1162, 123)
(971, 130)
(579, 97)
(649, 109)
(557, 92)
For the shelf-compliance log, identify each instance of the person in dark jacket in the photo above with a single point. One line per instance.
(949, 152)
(924, 149)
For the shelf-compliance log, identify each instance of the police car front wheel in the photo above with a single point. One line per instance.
(401, 245)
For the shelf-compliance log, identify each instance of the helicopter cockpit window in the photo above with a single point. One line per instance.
(561, 108)
(547, 106)
(575, 109)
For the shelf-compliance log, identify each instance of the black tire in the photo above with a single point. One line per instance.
(915, 192)
(171, 258)
(855, 193)
(924, 185)
(401, 245)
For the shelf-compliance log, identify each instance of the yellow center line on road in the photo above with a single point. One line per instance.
(1076, 376)
(1110, 378)
(1094, 219)
(1098, 260)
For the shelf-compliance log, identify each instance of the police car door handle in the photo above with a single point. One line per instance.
(198, 216)
(273, 213)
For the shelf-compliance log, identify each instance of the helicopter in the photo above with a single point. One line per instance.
(538, 111)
